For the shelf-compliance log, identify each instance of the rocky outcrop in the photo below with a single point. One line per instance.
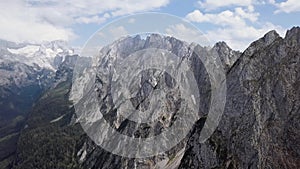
(260, 122)
(226, 54)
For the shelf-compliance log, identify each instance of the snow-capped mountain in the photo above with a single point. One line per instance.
(47, 55)
(18, 61)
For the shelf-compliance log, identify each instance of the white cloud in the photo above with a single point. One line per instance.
(118, 32)
(101, 34)
(234, 27)
(180, 31)
(131, 20)
(287, 6)
(93, 19)
(19, 24)
(225, 18)
(249, 14)
(91, 8)
(240, 38)
(132, 6)
(214, 4)
(36, 21)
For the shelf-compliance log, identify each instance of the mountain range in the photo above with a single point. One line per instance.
(259, 127)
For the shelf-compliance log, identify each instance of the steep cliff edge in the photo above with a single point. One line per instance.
(261, 118)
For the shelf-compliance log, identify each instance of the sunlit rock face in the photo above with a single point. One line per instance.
(142, 86)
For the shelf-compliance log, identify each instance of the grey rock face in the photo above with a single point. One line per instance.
(226, 54)
(260, 123)
(120, 50)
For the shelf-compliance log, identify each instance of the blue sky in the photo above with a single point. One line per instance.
(237, 22)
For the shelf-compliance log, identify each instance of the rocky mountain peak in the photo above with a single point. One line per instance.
(270, 37)
(263, 42)
(293, 36)
(154, 38)
(226, 54)
(221, 45)
(295, 31)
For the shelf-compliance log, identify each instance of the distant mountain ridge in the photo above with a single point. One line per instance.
(47, 55)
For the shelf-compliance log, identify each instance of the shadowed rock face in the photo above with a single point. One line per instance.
(259, 127)
(261, 119)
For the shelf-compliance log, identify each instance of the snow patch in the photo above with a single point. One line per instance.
(57, 119)
(42, 55)
(82, 153)
(27, 51)
(83, 156)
